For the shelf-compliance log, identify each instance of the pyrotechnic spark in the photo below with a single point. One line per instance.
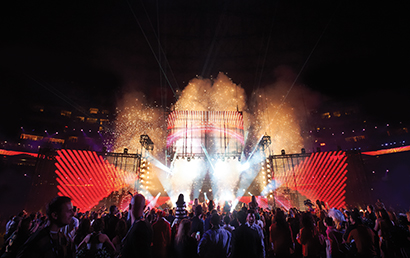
(135, 117)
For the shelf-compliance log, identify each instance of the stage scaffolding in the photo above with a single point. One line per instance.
(284, 166)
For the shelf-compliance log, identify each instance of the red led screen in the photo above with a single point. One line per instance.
(87, 178)
(322, 176)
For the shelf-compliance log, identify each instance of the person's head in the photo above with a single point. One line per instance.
(227, 220)
(319, 204)
(198, 210)
(113, 209)
(244, 209)
(280, 217)
(85, 226)
(24, 226)
(307, 220)
(121, 228)
(180, 201)
(215, 219)
(98, 225)
(241, 217)
(160, 213)
(211, 205)
(355, 218)
(251, 217)
(137, 206)
(183, 230)
(60, 211)
(370, 208)
(384, 214)
(329, 222)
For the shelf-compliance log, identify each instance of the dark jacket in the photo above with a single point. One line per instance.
(197, 225)
(137, 242)
(215, 243)
(246, 243)
(40, 244)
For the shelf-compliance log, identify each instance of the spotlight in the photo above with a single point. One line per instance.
(245, 166)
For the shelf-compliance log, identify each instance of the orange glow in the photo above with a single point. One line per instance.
(387, 151)
(13, 153)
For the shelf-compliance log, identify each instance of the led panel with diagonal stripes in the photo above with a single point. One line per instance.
(322, 176)
(87, 178)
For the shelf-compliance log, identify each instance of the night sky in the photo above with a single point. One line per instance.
(91, 52)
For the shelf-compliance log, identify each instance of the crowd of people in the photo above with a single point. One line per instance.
(203, 230)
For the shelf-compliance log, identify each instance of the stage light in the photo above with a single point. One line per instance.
(245, 166)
